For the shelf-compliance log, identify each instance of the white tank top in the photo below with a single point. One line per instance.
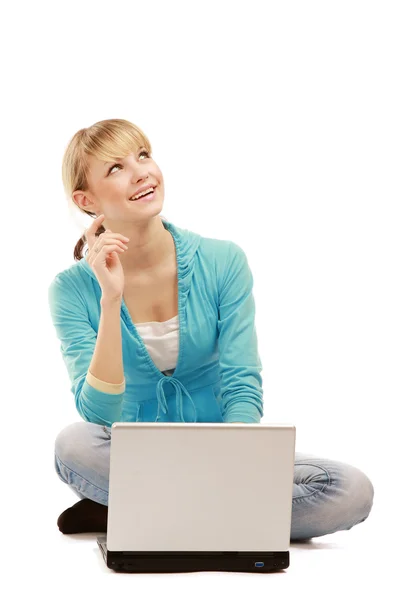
(162, 342)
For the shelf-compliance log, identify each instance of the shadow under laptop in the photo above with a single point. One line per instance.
(309, 544)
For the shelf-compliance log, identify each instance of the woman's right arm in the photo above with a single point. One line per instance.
(106, 364)
(106, 368)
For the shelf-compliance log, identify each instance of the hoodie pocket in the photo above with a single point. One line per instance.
(132, 412)
(207, 406)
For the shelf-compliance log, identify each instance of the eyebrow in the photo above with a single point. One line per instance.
(122, 158)
(109, 163)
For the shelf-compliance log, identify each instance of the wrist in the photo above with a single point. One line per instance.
(110, 300)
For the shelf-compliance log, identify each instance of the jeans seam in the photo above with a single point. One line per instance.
(301, 498)
(81, 476)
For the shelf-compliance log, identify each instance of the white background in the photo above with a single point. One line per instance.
(276, 125)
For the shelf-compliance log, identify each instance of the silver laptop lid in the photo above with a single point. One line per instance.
(200, 487)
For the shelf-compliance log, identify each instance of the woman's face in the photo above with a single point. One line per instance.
(111, 185)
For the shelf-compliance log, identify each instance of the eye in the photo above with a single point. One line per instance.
(119, 165)
(111, 168)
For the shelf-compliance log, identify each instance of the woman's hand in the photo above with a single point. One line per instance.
(103, 258)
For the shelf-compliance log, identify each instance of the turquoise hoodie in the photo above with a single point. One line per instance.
(218, 373)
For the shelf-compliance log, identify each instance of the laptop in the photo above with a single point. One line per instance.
(187, 497)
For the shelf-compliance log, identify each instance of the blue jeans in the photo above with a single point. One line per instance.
(328, 495)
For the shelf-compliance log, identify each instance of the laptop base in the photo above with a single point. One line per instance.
(184, 562)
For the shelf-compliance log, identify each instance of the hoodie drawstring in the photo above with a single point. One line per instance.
(162, 403)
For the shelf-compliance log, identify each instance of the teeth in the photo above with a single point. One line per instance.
(142, 194)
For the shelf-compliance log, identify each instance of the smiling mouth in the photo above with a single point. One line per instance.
(143, 195)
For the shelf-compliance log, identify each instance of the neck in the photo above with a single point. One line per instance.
(150, 246)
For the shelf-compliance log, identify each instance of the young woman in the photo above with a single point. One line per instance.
(156, 323)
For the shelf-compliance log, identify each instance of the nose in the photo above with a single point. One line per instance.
(141, 176)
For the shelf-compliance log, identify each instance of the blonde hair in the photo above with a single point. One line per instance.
(106, 140)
